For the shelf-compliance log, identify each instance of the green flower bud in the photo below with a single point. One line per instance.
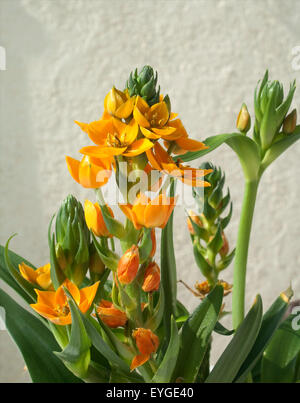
(290, 122)
(243, 122)
(72, 239)
(144, 85)
(270, 110)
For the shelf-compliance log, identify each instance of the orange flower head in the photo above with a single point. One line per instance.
(40, 276)
(94, 218)
(147, 343)
(149, 213)
(118, 104)
(151, 278)
(110, 315)
(114, 137)
(162, 161)
(128, 265)
(90, 172)
(54, 306)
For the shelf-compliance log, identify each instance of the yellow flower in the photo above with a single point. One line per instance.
(118, 104)
(149, 213)
(147, 342)
(54, 306)
(114, 137)
(40, 276)
(90, 172)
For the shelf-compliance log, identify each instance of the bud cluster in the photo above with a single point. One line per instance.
(210, 245)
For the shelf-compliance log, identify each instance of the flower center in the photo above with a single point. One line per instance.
(62, 310)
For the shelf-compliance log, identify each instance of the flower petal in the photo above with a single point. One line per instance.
(102, 152)
(73, 167)
(138, 147)
(139, 360)
(190, 145)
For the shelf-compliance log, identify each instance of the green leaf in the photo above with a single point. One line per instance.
(155, 320)
(279, 147)
(168, 271)
(270, 323)
(103, 348)
(20, 280)
(7, 277)
(36, 344)
(240, 346)
(217, 242)
(220, 329)
(280, 357)
(195, 335)
(245, 148)
(165, 370)
(76, 355)
(109, 258)
(145, 245)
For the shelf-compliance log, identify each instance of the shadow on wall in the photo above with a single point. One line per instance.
(18, 33)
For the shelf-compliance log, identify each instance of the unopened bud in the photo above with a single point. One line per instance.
(290, 122)
(243, 122)
(110, 315)
(225, 247)
(196, 220)
(94, 219)
(151, 278)
(128, 265)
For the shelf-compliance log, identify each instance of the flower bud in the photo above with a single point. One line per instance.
(151, 278)
(117, 104)
(270, 109)
(290, 122)
(110, 315)
(128, 265)
(147, 342)
(72, 240)
(225, 247)
(196, 219)
(96, 265)
(144, 85)
(243, 122)
(94, 218)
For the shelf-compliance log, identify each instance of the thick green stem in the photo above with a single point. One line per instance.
(241, 254)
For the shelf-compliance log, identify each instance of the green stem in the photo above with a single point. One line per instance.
(241, 254)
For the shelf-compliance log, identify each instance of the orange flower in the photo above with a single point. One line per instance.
(40, 276)
(153, 120)
(149, 213)
(162, 161)
(128, 265)
(114, 137)
(90, 172)
(110, 315)
(118, 103)
(151, 278)
(94, 218)
(147, 342)
(54, 306)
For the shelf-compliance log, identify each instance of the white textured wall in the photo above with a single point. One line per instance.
(62, 58)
